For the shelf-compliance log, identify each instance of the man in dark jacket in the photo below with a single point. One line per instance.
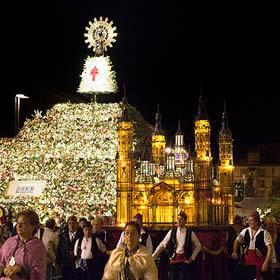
(65, 249)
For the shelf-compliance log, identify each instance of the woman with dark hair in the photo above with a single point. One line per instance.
(145, 237)
(257, 248)
(23, 256)
(133, 262)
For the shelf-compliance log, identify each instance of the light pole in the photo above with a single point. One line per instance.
(17, 110)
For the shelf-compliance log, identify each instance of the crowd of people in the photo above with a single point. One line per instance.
(78, 249)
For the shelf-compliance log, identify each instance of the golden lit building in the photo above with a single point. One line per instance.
(175, 179)
(224, 191)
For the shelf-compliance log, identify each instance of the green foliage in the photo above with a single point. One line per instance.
(271, 207)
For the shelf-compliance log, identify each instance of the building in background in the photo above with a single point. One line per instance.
(175, 178)
(259, 173)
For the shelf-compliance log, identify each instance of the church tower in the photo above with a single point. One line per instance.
(202, 131)
(179, 149)
(158, 143)
(225, 168)
(125, 167)
(202, 166)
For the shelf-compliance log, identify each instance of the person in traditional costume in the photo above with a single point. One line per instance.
(182, 246)
(145, 238)
(23, 256)
(91, 253)
(132, 262)
(257, 248)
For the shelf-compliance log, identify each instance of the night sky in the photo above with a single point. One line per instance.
(165, 54)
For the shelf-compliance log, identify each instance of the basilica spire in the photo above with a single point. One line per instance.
(201, 114)
(225, 131)
(225, 118)
(124, 116)
(157, 129)
(179, 128)
(158, 142)
(179, 136)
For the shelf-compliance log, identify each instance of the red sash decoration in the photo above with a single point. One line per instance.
(252, 259)
(179, 258)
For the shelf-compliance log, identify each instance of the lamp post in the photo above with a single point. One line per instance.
(18, 97)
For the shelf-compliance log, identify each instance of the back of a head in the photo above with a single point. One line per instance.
(97, 220)
(9, 225)
(139, 218)
(270, 224)
(72, 218)
(50, 223)
(238, 220)
(83, 220)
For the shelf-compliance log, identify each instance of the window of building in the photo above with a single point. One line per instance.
(243, 171)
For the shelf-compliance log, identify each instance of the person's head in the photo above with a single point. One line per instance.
(8, 227)
(131, 235)
(254, 220)
(82, 222)
(87, 229)
(96, 224)
(27, 224)
(72, 224)
(270, 223)
(182, 219)
(50, 223)
(61, 221)
(9, 224)
(238, 220)
(138, 218)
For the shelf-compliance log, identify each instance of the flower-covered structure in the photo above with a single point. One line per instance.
(73, 147)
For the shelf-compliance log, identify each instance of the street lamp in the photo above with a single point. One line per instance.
(18, 97)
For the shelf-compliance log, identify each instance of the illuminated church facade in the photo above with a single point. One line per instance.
(174, 179)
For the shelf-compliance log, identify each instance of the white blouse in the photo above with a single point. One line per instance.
(252, 244)
(86, 247)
